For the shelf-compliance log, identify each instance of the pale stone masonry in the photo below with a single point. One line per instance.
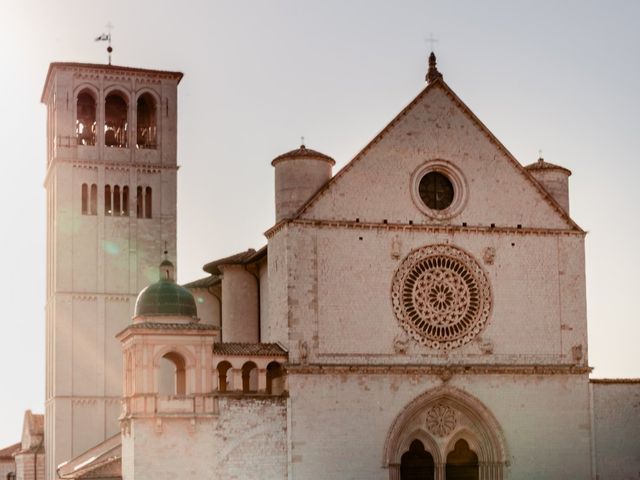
(419, 314)
(103, 244)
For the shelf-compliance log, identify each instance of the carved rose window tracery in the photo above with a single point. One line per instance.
(441, 296)
(441, 420)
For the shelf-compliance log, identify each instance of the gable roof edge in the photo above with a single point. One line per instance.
(492, 138)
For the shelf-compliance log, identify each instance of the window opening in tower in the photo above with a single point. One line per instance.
(86, 119)
(115, 121)
(146, 118)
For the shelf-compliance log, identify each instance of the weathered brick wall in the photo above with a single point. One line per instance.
(248, 440)
(30, 466)
(339, 423)
(6, 467)
(340, 295)
(616, 418)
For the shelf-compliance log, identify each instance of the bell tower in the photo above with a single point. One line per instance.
(111, 211)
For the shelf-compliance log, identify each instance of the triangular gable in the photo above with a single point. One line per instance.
(541, 194)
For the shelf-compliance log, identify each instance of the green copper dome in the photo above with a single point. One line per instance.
(165, 297)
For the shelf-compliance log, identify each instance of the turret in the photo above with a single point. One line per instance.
(299, 174)
(554, 179)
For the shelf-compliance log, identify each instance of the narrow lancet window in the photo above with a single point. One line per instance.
(146, 117)
(107, 200)
(116, 201)
(94, 199)
(85, 199)
(139, 203)
(115, 121)
(125, 201)
(86, 119)
(147, 202)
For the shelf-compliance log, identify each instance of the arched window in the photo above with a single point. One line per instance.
(417, 463)
(85, 199)
(146, 118)
(249, 377)
(172, 378)
(275, 378)
(139, 203)
(116, 200)
(107, 200)
(147, 202)
(86, 119)
(125, 201)
(11, 476)
(223, 380)
(94, 199)
(462, 463)
(115, 121)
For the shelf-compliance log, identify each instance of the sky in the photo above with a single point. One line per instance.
(561, 77)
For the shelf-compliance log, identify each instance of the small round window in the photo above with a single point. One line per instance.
(436, 190)
(439, 189)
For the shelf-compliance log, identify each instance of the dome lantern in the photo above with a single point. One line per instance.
(165, 298)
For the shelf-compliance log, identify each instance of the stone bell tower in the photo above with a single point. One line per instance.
(111, 211)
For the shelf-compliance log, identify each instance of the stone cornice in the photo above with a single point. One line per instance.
(145, 167)
(346, 224)
(443, 371)
(112, 71)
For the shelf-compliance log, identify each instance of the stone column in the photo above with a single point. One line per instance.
(394, 471)
(262, 379)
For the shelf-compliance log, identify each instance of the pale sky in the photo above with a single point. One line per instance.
(562, 77)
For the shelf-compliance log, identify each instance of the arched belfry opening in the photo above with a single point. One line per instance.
(445, 434)
(146, 121)
(86, 118)
(172, 378)
(115, 120)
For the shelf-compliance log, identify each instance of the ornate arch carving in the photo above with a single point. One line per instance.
(474, 423)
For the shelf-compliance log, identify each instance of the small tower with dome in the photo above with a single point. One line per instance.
(167, 356)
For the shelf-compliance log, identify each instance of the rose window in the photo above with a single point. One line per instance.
(441, 296)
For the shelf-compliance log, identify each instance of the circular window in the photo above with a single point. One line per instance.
(439, 189)
(436, 190)
(441, 296)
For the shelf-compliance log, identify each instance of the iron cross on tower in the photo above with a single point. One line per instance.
(109, 27)
(431, 41)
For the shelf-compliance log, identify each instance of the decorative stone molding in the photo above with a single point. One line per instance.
(441, 420)
(576, 353)
(85, 298)
(438, 370)
(458, 182)
(431, 228)
(489, 255)
(441, 296)
(450, 414)
(396, 248)
(401, 343)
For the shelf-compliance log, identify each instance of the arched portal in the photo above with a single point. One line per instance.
(417, 463)
(461, 434)
(462, 463)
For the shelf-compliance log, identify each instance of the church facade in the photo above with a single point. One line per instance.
(421, 314)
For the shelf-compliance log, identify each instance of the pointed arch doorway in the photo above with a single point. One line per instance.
(452, 428)
(462, 463)
(416, 463)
